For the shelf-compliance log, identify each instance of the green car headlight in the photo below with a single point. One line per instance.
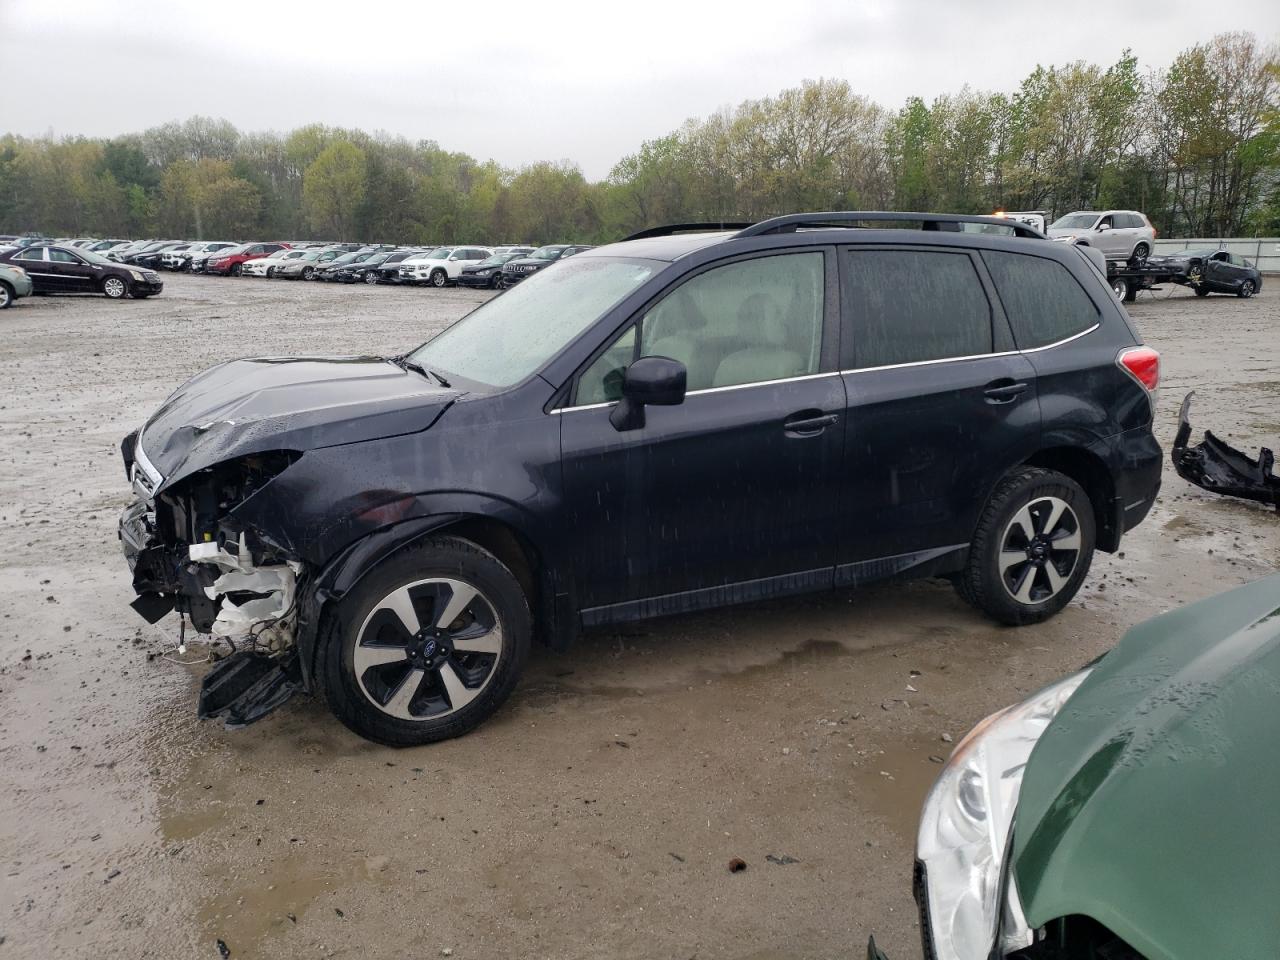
(964, 829)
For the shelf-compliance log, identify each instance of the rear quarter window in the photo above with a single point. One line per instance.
(1043, 301)
(908, 306)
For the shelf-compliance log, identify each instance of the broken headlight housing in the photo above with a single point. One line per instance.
(965, 828)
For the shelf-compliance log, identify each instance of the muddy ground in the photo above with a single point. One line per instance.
(595, 815)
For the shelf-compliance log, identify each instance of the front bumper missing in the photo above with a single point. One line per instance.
(1220, 468)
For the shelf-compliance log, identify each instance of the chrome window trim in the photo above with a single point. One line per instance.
(840, 373)
(696, 393)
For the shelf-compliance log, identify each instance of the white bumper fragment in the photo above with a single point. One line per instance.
(269, 619)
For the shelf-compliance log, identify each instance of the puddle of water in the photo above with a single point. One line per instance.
(246, 914)
(895, 782)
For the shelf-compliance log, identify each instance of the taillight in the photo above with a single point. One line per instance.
(1143, 364)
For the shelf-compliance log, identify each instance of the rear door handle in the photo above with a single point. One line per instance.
(1003, 391)
(806, 425)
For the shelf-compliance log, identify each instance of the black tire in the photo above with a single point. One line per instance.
(496, 282)
(115, 288)
(435, 557)
(1141, 252)
(6, 295)
(1246, 290)
(236, 270)
(985, 585)
(1202, 291)
(439, 278)
(271, 272)
(1120, 287)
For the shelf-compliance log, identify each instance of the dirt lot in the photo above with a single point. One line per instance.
(595, 815)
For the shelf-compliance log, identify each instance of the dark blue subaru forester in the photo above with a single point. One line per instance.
(694, 417)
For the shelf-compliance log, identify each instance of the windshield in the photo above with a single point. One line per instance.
(508, 338)
(497, 259)
(546, 253)
(93, 257)
(1074, 221)
(439, 253)
(231, 251)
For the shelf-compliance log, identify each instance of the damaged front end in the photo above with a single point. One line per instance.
(1220, 468)
(189, 554)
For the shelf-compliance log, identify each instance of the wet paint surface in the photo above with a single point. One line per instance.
(555, 838)
(1149, 802)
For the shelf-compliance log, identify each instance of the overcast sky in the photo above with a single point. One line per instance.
(559, 79)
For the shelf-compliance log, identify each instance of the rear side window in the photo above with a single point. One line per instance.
(906, 306)
(1043, 301)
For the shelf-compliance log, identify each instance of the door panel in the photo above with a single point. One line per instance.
(738, 483)
(940, 405)
(924, 445)
(726, 487)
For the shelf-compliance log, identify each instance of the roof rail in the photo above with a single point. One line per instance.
(674, 228)
(791, 222)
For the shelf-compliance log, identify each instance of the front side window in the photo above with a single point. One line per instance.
(909, 306)
(745, 322)
(1043, 301)
(510, 337)
(602, 381)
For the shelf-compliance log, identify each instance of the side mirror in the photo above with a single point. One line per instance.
(657, 381)
(1101, 227)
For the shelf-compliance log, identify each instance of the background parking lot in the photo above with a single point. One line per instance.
(601, 806)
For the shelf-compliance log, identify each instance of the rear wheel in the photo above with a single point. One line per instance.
(1032, 548)
(6, 295)
(427, 645)
(1141, 252)
(439, 278)
(115, 288)
(1120, 287)
(1246, 289)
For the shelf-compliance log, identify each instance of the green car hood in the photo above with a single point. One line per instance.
(1152, 801)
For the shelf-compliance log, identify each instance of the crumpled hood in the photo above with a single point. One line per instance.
(1150, 801)
(287, 403)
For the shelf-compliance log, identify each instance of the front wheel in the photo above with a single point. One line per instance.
(1032, 548)
(1246, 290)
(1202, 291)
(115, 288)
(236, 269)
(1120, 287)
(427, 646)
(370, 277)
(6, 295)
(308, 273)
(439, 278)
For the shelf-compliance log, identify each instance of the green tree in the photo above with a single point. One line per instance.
(333, 188)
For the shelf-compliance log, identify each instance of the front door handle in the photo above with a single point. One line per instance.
(809, 423)
(1003, 391)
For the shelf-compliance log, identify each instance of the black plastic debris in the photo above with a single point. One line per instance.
(152, 606)
(874, 952)
(781, 861)
(247, 686)
(1220, 468)
(223, 950)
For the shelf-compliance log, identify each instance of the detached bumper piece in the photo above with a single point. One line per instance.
(246, 686)
(1220, 468)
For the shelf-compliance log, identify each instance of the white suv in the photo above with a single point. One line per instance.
(441, 265)
(1119, 234)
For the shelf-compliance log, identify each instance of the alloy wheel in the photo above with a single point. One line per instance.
(1246, 289)
(427, 649)
(4, 296)
(370, 277)
(438, 278)
(1039, 550)
(113, 287)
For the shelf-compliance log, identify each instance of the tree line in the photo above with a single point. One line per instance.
(1195, 145)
